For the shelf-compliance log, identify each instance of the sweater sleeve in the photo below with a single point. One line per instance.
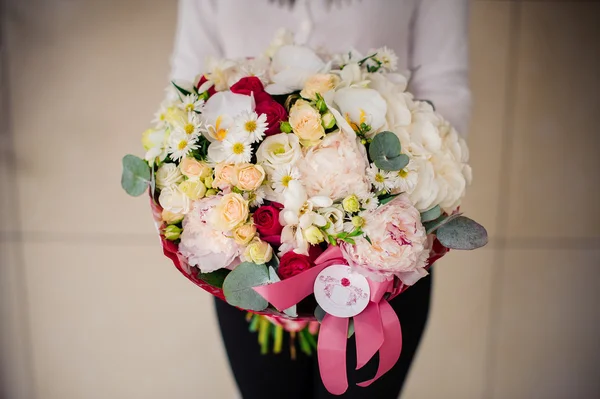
(439, 58)
(195, 39)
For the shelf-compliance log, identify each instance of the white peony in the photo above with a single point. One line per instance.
(202, 245)
(336, 167)
(392, 88)
(167, 175)
(291, 66)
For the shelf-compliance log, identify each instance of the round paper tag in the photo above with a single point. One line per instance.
(340, 292)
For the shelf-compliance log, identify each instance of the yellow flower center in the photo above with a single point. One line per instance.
(182, 144)
(250, 126)
(403, 173)
(279, 149)
(379, 178)
(286, 180)
(238, 148)
(189, 107)
(189, 128)
(162, 116)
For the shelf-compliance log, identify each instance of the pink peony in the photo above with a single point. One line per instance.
(336, 167)
(204, 246)
(399, 244)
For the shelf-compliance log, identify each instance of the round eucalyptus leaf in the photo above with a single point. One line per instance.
(462, 233)
(384, 151)
(238, 284)
(431, 214)
(136, 175)
(215, 278)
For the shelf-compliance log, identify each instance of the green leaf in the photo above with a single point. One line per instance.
(431, 214)
(136, 175)
(387, 198)
(274, 262)
(237, 286)
(351, 328)
(462, 233)
(385, 152)
(181, 89)
(215, 278)
(432, 226)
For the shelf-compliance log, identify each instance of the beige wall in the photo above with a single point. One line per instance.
(90, 308)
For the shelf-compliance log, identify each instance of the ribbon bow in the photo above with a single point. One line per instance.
(377, 328)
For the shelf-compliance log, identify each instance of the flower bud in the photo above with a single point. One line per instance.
(351, 204)
(208, 182)
(314, 235)
(259, 252)
(321, 106)
(172, 232)
(285, 127)
(328, 120)
(194, 189)
(358, 221)
(210, 193)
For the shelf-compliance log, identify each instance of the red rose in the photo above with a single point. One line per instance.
(275, 114)
(247, 85)
(292, 263)
(203, 80)
(266, 220)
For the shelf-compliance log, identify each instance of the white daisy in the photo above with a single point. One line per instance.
(283, 175)
(255, 198)
(382, 180)
(180, 145)
(252, 125)
(191, 103)
(369, 201)
(190, 125)
(236, 149)
(405, 180)
(388, 58)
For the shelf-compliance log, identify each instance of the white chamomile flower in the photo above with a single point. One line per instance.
(191, 103)
(406, 179)
(255, 198)
(237, 149)
(190, 125)
(382, 180)
(180, 146)
(388, 58)
(252, 125)
(283, 175)
(369, 201)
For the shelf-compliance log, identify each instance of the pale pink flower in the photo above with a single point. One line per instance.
(204, 246)
(336, 167)
(399, 245)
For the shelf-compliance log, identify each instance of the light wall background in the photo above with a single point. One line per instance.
(91, 310)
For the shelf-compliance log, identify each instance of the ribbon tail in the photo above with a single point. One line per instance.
(331, 350)
(368, 330)
(389, 353)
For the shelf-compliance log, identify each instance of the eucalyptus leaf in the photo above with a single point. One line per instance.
(462, 233)
(432, 226)
(136, 175)
(274, 262)
(431, 214)
(384, 151)
(319, 313)
(238, 284)
(215, 278)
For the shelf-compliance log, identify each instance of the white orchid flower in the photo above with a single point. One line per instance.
(299, 214)
(291, 66)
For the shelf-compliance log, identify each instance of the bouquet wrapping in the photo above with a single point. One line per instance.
(305, 186)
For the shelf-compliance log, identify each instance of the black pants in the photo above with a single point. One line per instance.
(277, 376)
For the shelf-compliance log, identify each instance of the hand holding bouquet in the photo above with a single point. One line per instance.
(305, 185)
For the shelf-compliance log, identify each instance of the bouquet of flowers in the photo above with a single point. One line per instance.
(307, 186)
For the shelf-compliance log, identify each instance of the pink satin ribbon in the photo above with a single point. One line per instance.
(377, 328)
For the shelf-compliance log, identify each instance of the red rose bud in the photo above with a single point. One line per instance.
(275, 114)
(247, 85)
(266, 220)
(292, 264)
